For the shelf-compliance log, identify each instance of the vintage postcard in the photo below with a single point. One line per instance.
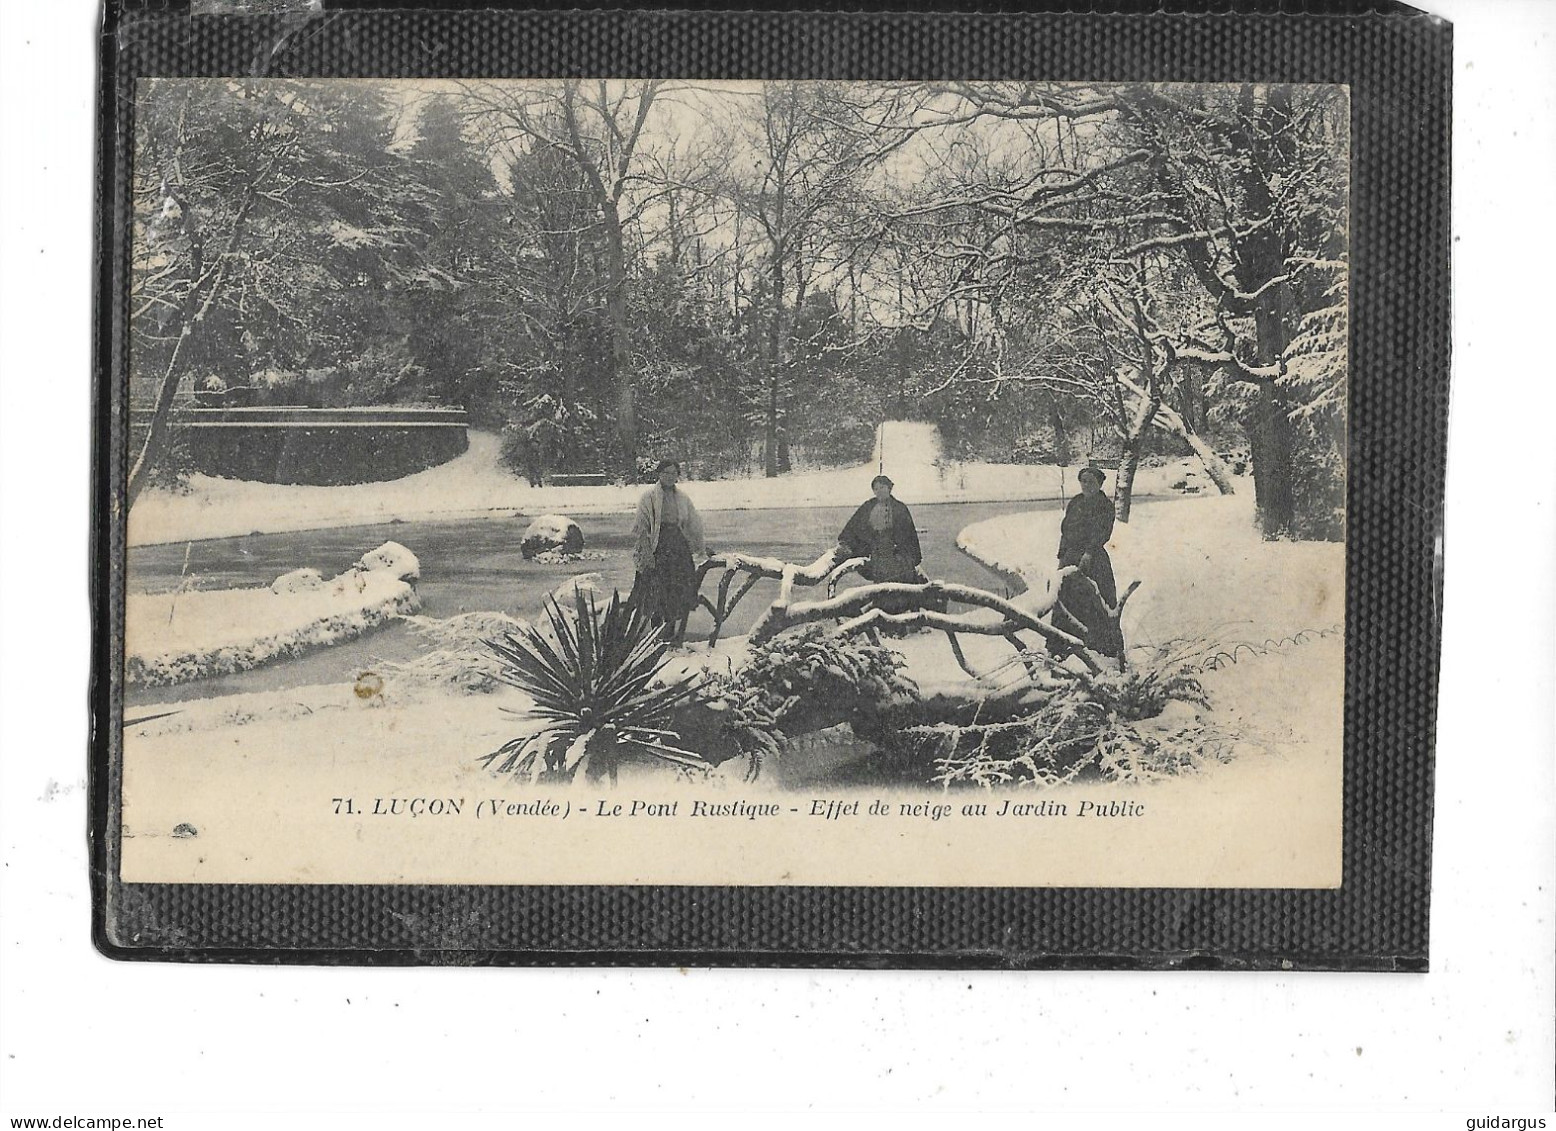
(674, 482)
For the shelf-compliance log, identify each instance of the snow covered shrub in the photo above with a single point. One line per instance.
(1110, 726)
(383, 373)
(460, 658)
(547, 433)
(1143, 693)
(517, 451)
(595, 678)
(813, 677)
(730, 719)
(303, 580)
(1318, 482)
(394, 559)
(1316, 386)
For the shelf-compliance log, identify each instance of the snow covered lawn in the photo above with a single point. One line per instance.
(180, 636)
(1202, 566)
(255, 778)
(257, 774)
(476, 483)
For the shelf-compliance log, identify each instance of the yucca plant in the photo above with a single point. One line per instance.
(594, 680)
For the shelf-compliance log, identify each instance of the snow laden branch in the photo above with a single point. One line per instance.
(1169, 419)
(928, 605)
(830, 568)
(943, 606)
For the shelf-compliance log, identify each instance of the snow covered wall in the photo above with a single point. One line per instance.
(322, 446)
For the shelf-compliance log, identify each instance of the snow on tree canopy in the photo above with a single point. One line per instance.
(394, 559)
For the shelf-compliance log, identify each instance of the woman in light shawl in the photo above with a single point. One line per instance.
(668, 531)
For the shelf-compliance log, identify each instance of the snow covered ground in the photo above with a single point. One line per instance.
(256, 776)
(194, 634)
(1268, 817)
(1203, 569)
(476, 482)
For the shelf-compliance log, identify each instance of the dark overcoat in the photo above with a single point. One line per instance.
(858, 536)
(1087, 526)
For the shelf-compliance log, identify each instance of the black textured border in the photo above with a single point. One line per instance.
(1398, 65)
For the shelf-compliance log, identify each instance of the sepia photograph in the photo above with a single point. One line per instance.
(908, 555)
(748, 483)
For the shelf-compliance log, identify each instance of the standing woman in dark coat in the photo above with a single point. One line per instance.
(882, 530)
(1083, 542)
(1084, 533)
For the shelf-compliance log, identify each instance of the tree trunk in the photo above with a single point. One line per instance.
(1269, 429)
(1124, 491)
(621, 341)
(192, 312)
(1190, 399)
(1269, 446)
(1129, 463)
(1270, 438)
(1214, 466)
(770, 426)
(775, 331)
(1062, 451)
(155, 442)
(1172, 421)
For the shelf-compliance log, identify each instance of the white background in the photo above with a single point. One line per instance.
(1474, 1038)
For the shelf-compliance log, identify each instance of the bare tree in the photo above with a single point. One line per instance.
(1241, 188)
(599, 126)
(812, 146)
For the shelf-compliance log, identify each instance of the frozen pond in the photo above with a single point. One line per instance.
(474, 564)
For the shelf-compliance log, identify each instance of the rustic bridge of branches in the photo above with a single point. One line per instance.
(928, 604)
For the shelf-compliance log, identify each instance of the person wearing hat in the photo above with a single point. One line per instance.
(882, 530)
(1083, 542)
